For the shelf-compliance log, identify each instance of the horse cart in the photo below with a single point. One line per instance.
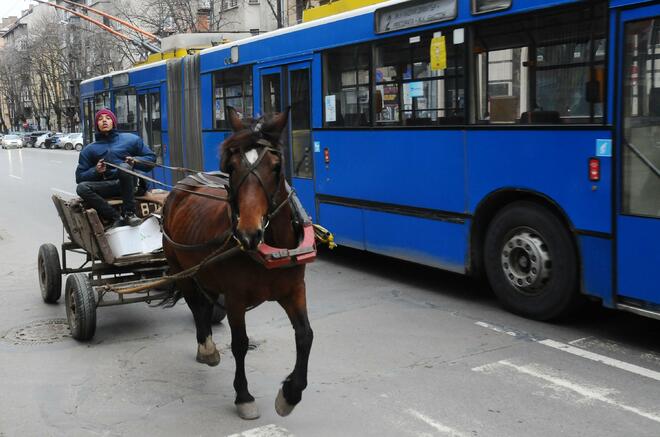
(104, 278)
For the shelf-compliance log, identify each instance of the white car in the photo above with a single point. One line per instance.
(72, 141)
(41, 139)
(12, 142)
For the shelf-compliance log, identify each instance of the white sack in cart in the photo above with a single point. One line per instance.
(127, 240)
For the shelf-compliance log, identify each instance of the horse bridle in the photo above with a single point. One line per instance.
(273, 206)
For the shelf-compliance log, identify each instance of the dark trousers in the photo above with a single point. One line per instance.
(93, 193)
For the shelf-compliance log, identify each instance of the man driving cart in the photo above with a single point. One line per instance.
(97, 181)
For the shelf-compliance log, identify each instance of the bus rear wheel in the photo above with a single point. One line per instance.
(531, 262)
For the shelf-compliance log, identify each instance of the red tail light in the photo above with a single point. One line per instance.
(326, 155)
(594, 169)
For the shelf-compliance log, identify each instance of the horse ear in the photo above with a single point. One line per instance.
(277, 123)
(234, 120)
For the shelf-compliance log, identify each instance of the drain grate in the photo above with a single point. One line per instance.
(39, 332)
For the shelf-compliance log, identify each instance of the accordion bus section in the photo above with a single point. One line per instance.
(514, 140)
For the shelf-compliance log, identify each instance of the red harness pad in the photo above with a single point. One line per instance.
(273, 257)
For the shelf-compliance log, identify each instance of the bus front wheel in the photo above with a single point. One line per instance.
(531, 262)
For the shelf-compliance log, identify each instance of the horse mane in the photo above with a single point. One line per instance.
(254, 129)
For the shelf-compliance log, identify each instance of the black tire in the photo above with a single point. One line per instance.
(68, 146)
(219, 311)
(78, 147)
(50, 273)
(531, 262)
(80, 307)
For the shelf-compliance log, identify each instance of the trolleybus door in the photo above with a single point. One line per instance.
(149, 124)
(289, 85)
(638, 206)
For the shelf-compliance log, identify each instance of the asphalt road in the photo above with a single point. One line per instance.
(399, 350)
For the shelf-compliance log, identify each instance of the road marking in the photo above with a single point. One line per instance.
(438, 426)
(612, 362)
(602, 359)
(597, 394)
(496, 328)
(15, 177)
(264, 431)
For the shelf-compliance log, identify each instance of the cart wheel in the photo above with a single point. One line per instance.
(50, 273)
(219, 311)
(80, 306)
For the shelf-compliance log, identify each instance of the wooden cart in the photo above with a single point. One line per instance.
(102, 279)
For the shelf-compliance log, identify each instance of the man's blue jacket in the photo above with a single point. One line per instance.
(113, 148)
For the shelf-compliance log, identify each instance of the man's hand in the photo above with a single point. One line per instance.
(130, 161)
(100, 167)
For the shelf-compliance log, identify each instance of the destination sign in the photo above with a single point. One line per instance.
(414, 13)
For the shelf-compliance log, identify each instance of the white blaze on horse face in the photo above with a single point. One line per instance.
(252, 155)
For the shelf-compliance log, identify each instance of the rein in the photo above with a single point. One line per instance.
(268, 256)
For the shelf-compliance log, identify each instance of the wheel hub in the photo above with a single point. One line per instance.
(526, 261)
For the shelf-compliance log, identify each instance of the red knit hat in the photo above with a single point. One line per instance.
(107, 112)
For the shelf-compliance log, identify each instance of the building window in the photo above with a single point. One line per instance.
(542, 68)
(347, 95)
(126, 109)
(232, 87)
(229, 4)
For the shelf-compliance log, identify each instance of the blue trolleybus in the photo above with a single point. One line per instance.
(516, 140)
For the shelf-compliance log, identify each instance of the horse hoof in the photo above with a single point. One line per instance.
(210, 360)
(282, 407)
(248, 411)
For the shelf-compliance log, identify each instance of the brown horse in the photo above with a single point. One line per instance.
(259, 210)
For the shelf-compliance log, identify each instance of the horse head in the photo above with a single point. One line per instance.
(252, 156)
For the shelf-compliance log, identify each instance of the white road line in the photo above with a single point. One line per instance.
(15, 177)
(496, 328)
(587, 392)
(602, 359)
(438, 426)
(264, 431)
(583, 353)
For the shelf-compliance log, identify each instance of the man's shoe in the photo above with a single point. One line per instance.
(132, 220)
(117, 223)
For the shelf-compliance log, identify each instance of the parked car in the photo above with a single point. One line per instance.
(52, 142)
(41, 139)
(72, 141)
(32, 138)
(12, 142)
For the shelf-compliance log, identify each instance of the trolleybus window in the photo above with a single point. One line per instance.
(126, 109)
(481, 6)
(413, 90)
(542, 68)
(101, 100)
(347, 85)
(641, 119)
(232, 87)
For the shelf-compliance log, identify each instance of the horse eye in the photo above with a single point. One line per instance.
(277, 167)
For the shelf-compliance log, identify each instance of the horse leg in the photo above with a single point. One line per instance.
(202, 310)
(245, 404)
(291, 392)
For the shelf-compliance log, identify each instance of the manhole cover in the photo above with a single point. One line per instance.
(40, 332)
